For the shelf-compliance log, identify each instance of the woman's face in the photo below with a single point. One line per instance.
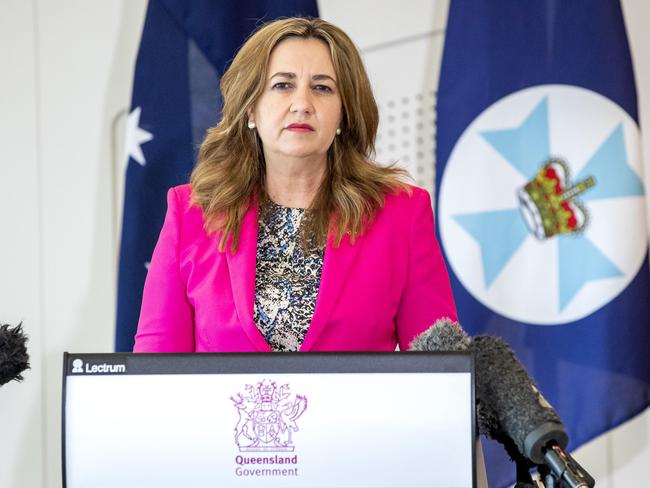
(300, 107)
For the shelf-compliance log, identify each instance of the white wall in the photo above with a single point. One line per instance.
(66, 73)
(66, 78)
(22, 421)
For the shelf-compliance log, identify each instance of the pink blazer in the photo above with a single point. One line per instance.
(383, 290)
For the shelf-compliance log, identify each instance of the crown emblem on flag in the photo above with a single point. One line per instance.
(548, 202)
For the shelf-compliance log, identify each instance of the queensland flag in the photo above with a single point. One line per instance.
(184, 50)
(540, 202)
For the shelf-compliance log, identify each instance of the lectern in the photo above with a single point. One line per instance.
(269, 420)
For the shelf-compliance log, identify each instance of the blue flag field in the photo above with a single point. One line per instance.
(540, 202)
(184, 50)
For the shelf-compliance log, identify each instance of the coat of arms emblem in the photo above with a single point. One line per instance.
(267, 417)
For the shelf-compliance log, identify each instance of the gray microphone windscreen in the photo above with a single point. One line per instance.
(444, 335)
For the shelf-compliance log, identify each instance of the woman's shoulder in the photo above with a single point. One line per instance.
(181, 193)
(409, 196)
(181, 198)
(402, 208)
(179, 201)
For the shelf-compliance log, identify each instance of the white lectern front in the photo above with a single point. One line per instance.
(269, 420)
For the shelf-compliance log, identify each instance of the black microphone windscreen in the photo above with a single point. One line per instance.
(13, 353)
(515, 405)
(444, 335)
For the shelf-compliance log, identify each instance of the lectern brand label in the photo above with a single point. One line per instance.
(95, 367)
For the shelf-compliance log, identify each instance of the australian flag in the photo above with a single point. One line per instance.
(540, 202)
(184, 50)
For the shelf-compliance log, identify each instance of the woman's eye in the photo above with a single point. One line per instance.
(281, 85)
(323, 88)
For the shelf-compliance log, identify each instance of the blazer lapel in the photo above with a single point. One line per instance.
(241, 267)
(336, 263)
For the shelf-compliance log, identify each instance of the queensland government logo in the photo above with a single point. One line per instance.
(267, 417)
(541, 205)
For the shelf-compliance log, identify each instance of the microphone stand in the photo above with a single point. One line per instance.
(559, 471)
(562, 471)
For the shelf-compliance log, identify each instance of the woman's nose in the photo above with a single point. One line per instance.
(301, 101)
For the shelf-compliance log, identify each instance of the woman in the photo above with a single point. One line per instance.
(289, 236)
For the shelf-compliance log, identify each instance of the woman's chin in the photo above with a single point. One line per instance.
(301, 153)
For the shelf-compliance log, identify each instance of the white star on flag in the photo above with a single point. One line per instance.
(135, 137)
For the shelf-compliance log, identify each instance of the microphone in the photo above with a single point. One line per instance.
(444, 335)
(509, 406)
(522, 414)
(13, 353)
(521, 410)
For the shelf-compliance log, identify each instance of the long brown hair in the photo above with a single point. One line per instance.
(231, 170)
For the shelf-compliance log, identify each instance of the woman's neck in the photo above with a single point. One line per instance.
(293, 183)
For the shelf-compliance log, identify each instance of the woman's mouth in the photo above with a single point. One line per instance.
(300, 128)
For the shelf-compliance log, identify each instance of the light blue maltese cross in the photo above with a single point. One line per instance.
(500, 233)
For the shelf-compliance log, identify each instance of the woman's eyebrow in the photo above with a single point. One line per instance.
(322, 77)
(318, 77)
(283, 74)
